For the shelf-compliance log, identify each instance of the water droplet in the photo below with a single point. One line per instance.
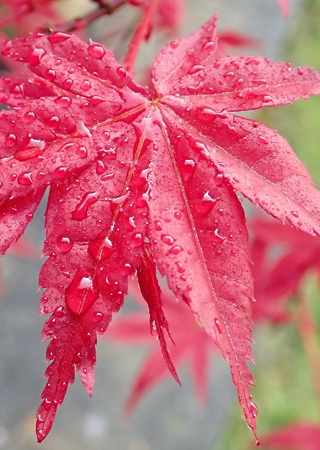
(11, 139)
(180, 267)
(81, 210)
(295, 213)
(175, 250)
(204, 206)
(97, 317)
(82, 129)
(126, 269)
(81, 292)
(187, 169)
(218, 179)
(120, 71)
(66, 84)
(229, 76)
(64, 243)
(97, 51)
(253, 410)
(217, 238)
(262, 139)
(63, 101)
(61, 172)
(52, 122)
(218, 326)
(35, 56)
(29, 116)
(205, 114)
(25, 179)
(59, 312)
(157, 225)
(177, 215)
(50, 75)
(167, 239)
(136, 240)
(29, 217)
(57, 37)
(85, 85)
(81, 151)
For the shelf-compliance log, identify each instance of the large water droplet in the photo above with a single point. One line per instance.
(52, 122)
(81, 292)
(85, 85)
(10, 139)
(35, 56)
(187, 169)
(167, 239)
(217, 238)
(57, 37)
(81, 210)
(63, 101)
(136, 240)
(64, 243)
(97, 51)
(25, 179)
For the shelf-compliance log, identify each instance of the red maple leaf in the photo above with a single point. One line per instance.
(285, 7)
(300, 436)
(191, 345)
(277, 270)
(128, 166)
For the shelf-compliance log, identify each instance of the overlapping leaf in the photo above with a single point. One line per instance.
(192, 346)
(127, 166)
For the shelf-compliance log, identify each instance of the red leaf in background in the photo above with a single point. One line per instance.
(25, 13)
(125, 166)
(192, 346)
(300, 436)
(285, 7)
(277, 269)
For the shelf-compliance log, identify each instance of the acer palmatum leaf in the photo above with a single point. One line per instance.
(300, 436)
(125, 164)
(151, 292)
(192, 346)
(278, 272)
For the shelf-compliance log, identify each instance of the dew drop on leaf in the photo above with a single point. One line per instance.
(58, 37)
(253, 409)
(175, 250)
(96, 51)
(52, 122)
(167, 239)
(136, 240)
(120, 71)
(187, 169)
(81, 293)
(50, 75)
(217, 238)
(63, 101)
(35, 56)
(262, 139)
(29, 116)
(218, 179)
(97, 317)
(81, 210)
(157, 225)
(25, 179)
(64, 243)
(10, 139)
(85, 85)
(59, 312)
